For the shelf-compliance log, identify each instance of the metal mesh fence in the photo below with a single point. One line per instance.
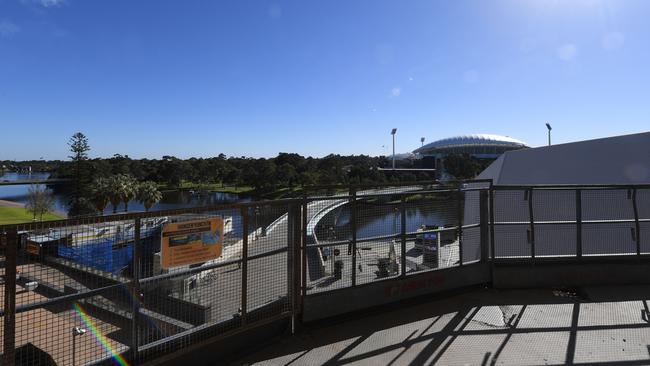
(570, 221)
(94, 289)
(381, 233)
(102, 288)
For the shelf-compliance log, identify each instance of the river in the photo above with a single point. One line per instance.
(170, 200)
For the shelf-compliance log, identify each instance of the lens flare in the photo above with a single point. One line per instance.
(99, 336)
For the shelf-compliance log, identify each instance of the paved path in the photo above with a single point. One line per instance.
(11, 204)
(599, 325)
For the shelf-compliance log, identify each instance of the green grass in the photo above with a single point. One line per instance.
(18, 215)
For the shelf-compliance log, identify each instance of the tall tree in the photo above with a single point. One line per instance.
(79, 203)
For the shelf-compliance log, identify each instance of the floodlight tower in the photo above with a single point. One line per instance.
(393, 132)
(422, 140)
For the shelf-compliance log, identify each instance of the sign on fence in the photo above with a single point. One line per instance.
(191, 242)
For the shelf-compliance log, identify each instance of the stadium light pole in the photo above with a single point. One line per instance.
(393, 132)
(549, 133)
(422, 140)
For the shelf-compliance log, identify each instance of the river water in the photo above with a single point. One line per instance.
(170, 200)
(373, 221)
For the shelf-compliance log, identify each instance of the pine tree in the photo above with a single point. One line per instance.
(79, 202)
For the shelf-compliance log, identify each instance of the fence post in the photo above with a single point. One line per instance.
(303, 255)
(11, 240)
(459, 212)
(532, 224)
(244, 266)
(636, 223)
(492, 245)
(403, 233)
(353, 226)
(483, 219)
(579, 223)
(135, 290)
(293, 277)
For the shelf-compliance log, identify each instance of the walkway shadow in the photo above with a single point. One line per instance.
(438, 330)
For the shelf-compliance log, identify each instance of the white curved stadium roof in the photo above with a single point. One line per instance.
(483, 139)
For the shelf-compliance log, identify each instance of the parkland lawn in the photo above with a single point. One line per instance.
(16, 215)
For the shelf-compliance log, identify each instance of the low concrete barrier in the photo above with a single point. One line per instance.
(328, 304)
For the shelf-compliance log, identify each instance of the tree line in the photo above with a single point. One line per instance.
(100, 181)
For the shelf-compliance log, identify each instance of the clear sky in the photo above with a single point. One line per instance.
(255, 77)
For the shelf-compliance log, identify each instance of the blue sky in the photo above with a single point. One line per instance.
(255, 77)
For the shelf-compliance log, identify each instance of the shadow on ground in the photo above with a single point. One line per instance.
(596, 326)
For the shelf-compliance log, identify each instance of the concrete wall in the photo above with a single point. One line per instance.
(572, 274)
(320, 306)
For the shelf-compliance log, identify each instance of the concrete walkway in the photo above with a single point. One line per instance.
(599, 325)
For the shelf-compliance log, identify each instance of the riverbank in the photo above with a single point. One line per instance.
(15, 213)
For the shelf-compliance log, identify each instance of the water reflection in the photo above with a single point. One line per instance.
(170, 200)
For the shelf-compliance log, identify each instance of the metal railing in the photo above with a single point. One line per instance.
(368, 234)
(93, 289)
(83, 291)
(568, 222)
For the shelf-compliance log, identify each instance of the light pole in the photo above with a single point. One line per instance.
(393, 132)
(549, 133)
(422, 140)
(76, 331)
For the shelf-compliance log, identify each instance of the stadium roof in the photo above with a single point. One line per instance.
(612, 160)
(472, 140)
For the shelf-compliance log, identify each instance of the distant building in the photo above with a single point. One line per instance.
(485, 146)
(478, 146)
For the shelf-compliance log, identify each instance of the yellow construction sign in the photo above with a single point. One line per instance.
(191, 242)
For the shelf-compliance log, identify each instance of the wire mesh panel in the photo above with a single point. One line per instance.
(555, 215)
(643, 203)
(471, 245)
(512, 234)
(73, 291)
(92, 289)
(606, 234)
(607, 204)
(268, 266)
(191, 293)
(511, 206)
(512, 241)
(328, 265)
(378, 227)
(643, 209)
(645, 237)
(608, 239)
(554, 205)
(555, 240)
